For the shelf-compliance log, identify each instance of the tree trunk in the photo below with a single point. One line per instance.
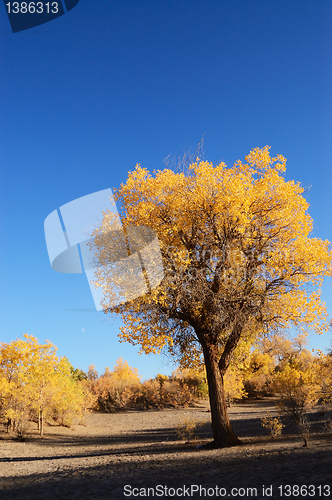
(41, 430)
(223, 433)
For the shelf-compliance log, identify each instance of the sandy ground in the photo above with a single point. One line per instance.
(122, 455)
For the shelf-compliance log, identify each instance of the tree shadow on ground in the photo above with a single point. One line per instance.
(152, 456)
(208, 470)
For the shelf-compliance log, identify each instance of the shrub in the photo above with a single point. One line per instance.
(186, 429)
(122, 389)
(298, 389)
(272, 424)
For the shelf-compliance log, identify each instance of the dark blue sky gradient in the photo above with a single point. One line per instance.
(111, 84)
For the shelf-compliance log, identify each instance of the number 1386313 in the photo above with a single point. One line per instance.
(32, 7)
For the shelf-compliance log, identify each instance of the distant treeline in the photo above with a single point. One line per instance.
(35, 385)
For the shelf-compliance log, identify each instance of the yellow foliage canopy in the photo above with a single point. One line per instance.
(236, 247)
(34, 381)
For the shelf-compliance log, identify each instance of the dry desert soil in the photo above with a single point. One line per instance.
(127, 455)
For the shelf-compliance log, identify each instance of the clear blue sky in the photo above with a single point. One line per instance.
(111, 84)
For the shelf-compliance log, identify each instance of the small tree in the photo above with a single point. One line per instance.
(16, 389)
(299, 390)
(324, 366)
(34, 381)
(234, 387)
(299, 387)
(69, 398)
(258, 373)
(272, 424)
(114, 389)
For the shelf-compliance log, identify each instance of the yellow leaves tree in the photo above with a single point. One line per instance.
(233, 385)
(16, 392)
(70, 397)
(45, 370)
(114, 389)
(122, 371)
(259, 372)
(299, 389)
(237, 256)
(325, 377)
(269, 355)
(35, 382)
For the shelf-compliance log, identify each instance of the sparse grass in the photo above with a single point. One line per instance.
(186, 429)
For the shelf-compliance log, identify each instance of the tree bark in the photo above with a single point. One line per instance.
(223, 433)
(41, 430)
